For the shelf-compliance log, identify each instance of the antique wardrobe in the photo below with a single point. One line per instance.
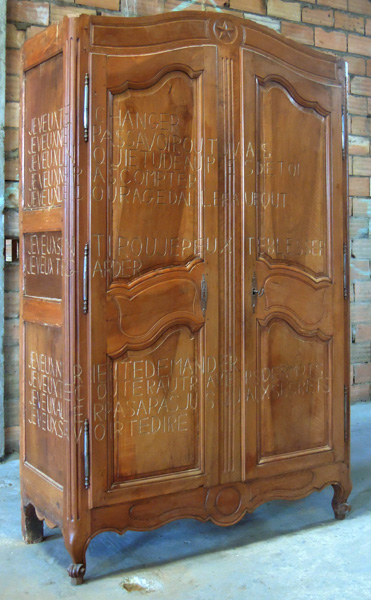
(184, 337)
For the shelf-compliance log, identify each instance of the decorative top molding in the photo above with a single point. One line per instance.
(169, 30)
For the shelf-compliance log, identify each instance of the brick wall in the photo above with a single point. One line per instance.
(341, 27)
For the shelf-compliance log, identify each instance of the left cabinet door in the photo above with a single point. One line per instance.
(153, 273)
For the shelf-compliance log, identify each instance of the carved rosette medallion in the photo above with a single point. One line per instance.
(225, 31)
(227, 504)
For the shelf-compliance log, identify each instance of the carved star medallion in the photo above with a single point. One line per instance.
(225, 31)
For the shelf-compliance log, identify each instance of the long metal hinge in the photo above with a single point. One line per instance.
(86, 108)
(203, 295)
(343, 117)
(85, 280)
(346, 413)
(345, 266)
(86, 455)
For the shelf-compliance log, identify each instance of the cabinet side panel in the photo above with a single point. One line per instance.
(45, 405)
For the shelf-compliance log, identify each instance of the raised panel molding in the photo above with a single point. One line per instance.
(177, 299)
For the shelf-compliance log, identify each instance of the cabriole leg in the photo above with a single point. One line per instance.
(77, 572)
(32, 527)
(339, 501)
(76, 543)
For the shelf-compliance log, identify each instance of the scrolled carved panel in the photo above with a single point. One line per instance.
(299, 298)
(292, 177)
(138, 314)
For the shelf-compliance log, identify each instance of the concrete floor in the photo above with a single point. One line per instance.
(283, 551)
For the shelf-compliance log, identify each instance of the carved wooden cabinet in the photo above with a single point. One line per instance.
(185, 318)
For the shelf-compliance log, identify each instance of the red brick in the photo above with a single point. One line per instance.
(11, 332)
(342, 4)
(362, 333)
(11, 305)
(12, 114)
(360, 353)
(143, 7)
(359, 228)
(356, 66)
(359, 45)
(359, 186)
(11, 277)
(300, 33)
(107, 4)
(14, 37)
(11, 140)
(12, 169)
(361, 86)
(253, 6)
(270, 22)
(58, 12)
(333, 40)
(362, 291)
(361, 248)
(362, 166)
(13, 62)
(362, 7)
(359, 312)
(284, 10)
(360, 269)
(23, 11)
(318, 16)
(360, 126)
(12, 88)
(345, 21)
(362, 207)
(358, 145)
(360, 392)
(362, 373)
(357, 105)
(11, 195)
(11, 223)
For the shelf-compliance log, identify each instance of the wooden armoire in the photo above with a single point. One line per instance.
(185, 316)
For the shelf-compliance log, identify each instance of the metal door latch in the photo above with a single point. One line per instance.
(255, 293)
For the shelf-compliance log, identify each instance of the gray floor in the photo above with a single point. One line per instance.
(284, 551)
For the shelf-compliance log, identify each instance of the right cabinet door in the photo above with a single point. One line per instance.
(293, 269)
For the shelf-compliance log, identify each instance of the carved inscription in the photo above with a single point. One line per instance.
(45, 177)
(159, 396)
(46, 414)
(46, 160)
(46, 401)
(43, 264)
(287, 381)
